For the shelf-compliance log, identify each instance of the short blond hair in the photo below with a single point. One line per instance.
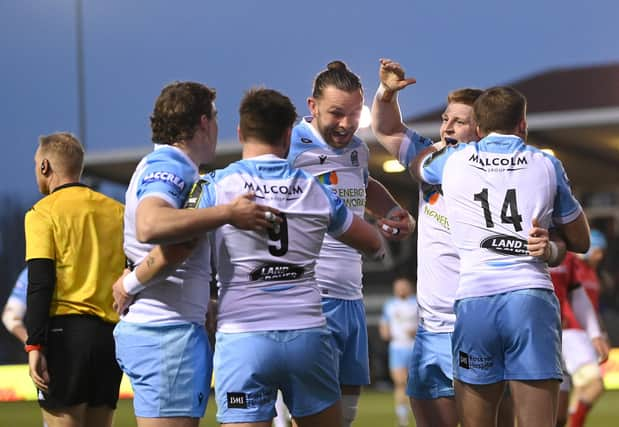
(64, 151)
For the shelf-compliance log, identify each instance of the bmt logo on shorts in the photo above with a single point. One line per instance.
(237, 400)
(464, 360)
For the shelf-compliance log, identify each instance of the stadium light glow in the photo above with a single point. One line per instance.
(393, 166)
(366, 117)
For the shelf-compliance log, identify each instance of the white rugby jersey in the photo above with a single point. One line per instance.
(345, 171)
(267, 279)
(438, 264)
(183, 295)
(493, 190)
(402, 317)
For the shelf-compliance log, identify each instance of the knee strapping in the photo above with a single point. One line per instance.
(586, 374)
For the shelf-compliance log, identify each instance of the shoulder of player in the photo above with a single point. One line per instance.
(167, 158)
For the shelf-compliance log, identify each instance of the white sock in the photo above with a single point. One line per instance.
(283, 416)
(350, 402)
(401, 411)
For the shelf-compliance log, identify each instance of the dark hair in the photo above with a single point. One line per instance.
(499, 109)
(178, 110)
(266, 114)
(337, 74)
(466, 96)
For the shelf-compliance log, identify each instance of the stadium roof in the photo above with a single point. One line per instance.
(574, 111)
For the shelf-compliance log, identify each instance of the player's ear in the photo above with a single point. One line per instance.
(45, 168)
(312, 105)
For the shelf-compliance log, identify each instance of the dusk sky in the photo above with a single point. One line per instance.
(132, 48)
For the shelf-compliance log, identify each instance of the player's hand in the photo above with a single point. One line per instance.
(122, 300)
(37, 364)
(392, 75)
(602, 348)
(399, 226)
(538, 242)
(248, 215)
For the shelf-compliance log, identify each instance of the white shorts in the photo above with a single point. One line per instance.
(577, 350)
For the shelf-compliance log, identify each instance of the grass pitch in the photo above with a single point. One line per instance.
(375, 410)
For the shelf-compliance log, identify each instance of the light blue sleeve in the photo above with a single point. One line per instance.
(386, 316)
(340, 216)
(566, 207)
(411, 146)
(301, 140)
(433, 165)
(20, 289)
(168, 176)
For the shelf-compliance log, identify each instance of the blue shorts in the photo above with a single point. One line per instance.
(511, 336)
(250, 367)
(169, 367)
(399, 357)
(346, 321)
(430, 375)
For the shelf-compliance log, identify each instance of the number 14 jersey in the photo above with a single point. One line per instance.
(493, 190)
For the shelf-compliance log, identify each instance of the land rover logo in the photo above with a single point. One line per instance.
(506, 245)
(276, 272)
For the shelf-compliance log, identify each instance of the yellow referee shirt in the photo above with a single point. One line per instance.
(81, 230)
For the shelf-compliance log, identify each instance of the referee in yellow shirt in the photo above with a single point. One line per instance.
(74, 253)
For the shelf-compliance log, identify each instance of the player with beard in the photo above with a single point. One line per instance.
(324, 144)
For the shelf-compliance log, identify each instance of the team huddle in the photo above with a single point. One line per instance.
(282, 234)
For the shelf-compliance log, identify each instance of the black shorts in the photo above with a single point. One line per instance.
(81, 362)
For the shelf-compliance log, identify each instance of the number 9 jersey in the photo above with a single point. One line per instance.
(493, 190)
(266, 279)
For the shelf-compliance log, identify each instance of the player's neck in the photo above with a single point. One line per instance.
(58, 181)
(254, 148)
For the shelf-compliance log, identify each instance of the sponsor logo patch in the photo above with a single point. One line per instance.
(329, 178)
(276, 272)
(237, 400)
(163, 176)
(506, 245)
(498, 164)
(322, 158)
(463, 360)
(272, 191)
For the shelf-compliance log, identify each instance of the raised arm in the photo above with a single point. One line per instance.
(387, 123)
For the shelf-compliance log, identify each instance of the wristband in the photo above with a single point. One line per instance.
(31, 347)
(393, 230)
(384, 94)
(131, 284)
(554, 252)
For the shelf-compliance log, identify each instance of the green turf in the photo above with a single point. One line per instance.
(375, 410)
